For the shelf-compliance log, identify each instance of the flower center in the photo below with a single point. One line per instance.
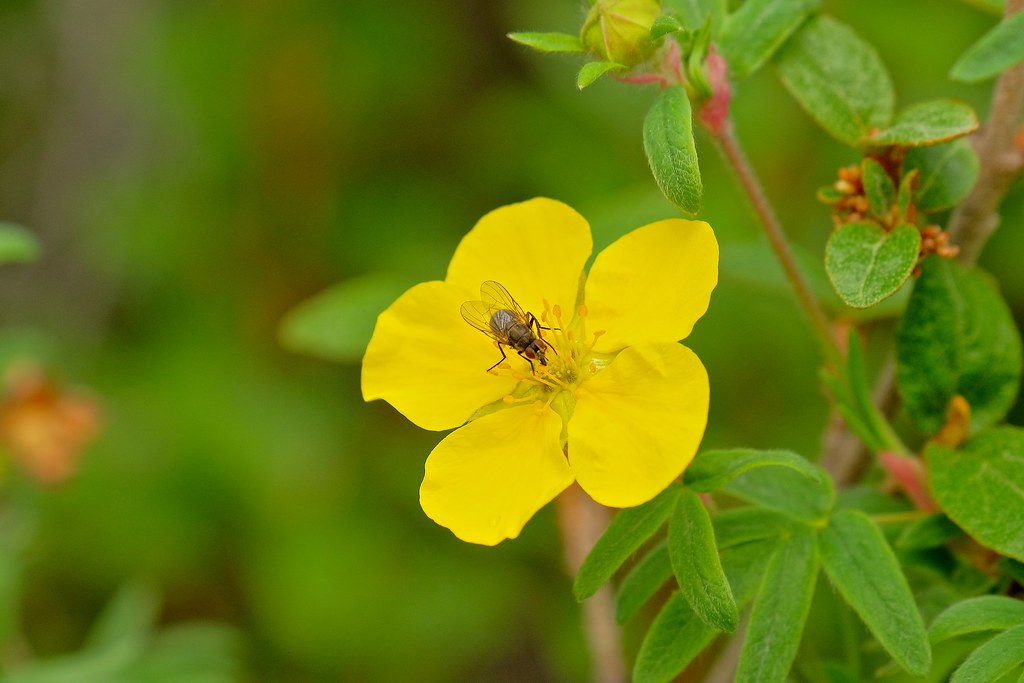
(569, 358)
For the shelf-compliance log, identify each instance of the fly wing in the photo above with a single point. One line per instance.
(478, 314)
(498, 297)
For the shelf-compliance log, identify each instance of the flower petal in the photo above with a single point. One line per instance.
(652, 284)
(536, 249)
(428, 363)
(486, 479)
(638, 423)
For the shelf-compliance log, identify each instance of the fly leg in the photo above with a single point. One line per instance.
(503, 357)
(533, 370)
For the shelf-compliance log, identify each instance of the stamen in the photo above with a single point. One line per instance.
(557, 310)
(583, 311)
(511, 400)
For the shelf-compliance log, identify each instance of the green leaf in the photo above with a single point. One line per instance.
(785, 490)
(691, 547)
(664, 25)
(864, 569)
(878, 187)
(981, 487)
(626, 533)
(947, 173)
(591, 71)
(837, 78)
(711, 470)
(757, 29)
(548, 42)
(994, 659)
(779, 612)
(129, 617)
(1012, 568)
(675, 638)
(996, 51)
(981, 613)
(668, 142)
(909, 182)
(678, 635)
(926, 123)
(867, 264)
(695, 12)
(929, 532)
(745, 524)
(642, 582)
(17, 245)
(336, 324)
(957, 336)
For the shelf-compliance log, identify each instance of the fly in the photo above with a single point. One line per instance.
(497, 315)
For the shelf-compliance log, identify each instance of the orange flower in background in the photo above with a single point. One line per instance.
(44, 427)
(616, 405)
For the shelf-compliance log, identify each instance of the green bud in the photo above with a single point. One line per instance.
(619, 31)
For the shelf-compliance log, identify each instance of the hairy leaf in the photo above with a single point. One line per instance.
(957, 337)
(711, 470)
(996, 51)
(926, 123)
(626, 533)
(837, 78)
(675, 638)
(947, 174)
(981, 613)
(864, 569)
(779, 612)
(668, 142)
(994, 659)
(745, 524)
(785, 490)
(642, 582)
(878, 187)
(694, 13)
(691, 546)
(548, 42)
(591, 71)
(981, 487)
(757, 29)
(868, 264)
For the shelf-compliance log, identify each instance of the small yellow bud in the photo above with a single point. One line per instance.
(620, 30)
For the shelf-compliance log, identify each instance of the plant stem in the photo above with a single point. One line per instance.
(737, 160)
(582, 522)
(977, 217)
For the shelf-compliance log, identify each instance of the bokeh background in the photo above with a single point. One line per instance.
(195, 169)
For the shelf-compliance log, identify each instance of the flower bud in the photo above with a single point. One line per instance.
(620, 30)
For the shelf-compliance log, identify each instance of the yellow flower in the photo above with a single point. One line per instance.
(619, 406)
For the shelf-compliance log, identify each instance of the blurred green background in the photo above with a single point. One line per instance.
(196, 169)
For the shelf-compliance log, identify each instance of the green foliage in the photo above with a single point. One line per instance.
(664, 25)
(691, 547)
(928, 532)
(668, 142)
(694, 13)
(979, 487)
(336, 324)
(642, 582)
(864, 569)
(878, 187)
(626, 533)
(746, 524)
(755, 31)
(675, 638)
(867, 263)
(996, 51)
(17, 245)
(785, 490)
(837, 78)
(591, 71)
(957, 337)
(712, 470)
(926, 123)
(548, 41)
(780, 610)
(947, 173)
(981, 613)
(994, 659)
